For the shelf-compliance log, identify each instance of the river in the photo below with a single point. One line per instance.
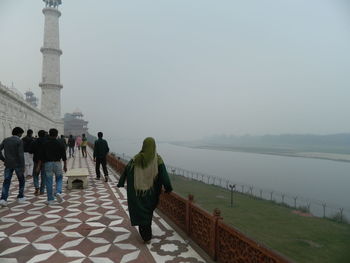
(321, 181)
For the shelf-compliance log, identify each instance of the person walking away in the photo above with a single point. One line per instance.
(71, 145)
(78, 142)
(28, 157)
(84, 142)
(145, 175)
(51, 155)
(100, 156)
(14, 162)
(37, 148)
(63, 141)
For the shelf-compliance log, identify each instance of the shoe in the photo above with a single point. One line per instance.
(106, 179)
(41, 193)
(97, 178)
(59, 198)
(36, 193)
(3, 203)
(21, 200)
(51, 202)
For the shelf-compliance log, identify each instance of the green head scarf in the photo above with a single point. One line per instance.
(146, 166)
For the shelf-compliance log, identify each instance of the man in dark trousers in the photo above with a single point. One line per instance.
(36, 149)
(52, 153)
(100, 156)
(14, 162)
(28, 157)
(71, 145)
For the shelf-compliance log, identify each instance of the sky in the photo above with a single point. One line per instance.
(187, 69)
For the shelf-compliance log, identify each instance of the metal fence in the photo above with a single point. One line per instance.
(303, 205)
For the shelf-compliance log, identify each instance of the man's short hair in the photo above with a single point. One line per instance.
(83, 134)
(41, 133)
(99, 134)
(53, 132)
(29, 132)
(17, 131)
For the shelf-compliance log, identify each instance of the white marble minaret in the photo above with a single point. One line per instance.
(50, 83)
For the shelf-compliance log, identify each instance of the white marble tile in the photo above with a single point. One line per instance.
(95, 224)
(9, 260)
(98, 240)
(48, 229)
(6, 225)
(30, 218)
(100, 250)
(130, 257)
(126, 246)
(20, 240)
(121, 237)
(96, 231)
(73, 226)
(72, 243)
(72, 253)
(43, 246)
(13, 250)
(23, 231)
(27, 224)
(100, 260)
(46, 237)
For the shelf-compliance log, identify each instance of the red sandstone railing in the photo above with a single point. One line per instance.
(222, 242)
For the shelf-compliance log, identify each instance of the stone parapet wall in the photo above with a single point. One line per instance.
(15, 111)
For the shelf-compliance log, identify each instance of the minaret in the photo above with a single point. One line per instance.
(50, 84)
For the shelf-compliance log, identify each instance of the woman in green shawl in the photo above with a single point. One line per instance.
(145, 175)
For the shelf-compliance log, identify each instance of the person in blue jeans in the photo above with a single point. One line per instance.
(14, 162)
(53, 151)
(35, 150)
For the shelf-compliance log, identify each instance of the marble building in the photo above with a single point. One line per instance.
(14, 109)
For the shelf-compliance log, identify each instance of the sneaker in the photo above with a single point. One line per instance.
(3, 203)
(51, 202)
(59, 198)
(36, 193)
(97, 178)
(106, 179)
(21, 200)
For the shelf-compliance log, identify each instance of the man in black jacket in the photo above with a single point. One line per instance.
(52, 153)
(14, 162)
(37, 147)
(28, 157)
(100, 156)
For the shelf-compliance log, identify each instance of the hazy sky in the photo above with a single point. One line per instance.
(186, 69)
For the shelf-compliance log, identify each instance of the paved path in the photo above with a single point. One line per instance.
(91, 225)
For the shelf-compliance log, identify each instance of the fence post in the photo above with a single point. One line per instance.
(341, 214)
(188, 213)
(242, 189)
(295, 202)
(271, 193)
(324, 210)
(214, 242)
(283, 198)
(202, 177)
(208, 179)
(261, 191)
(251, 190)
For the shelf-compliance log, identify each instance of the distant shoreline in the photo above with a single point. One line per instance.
(287, 153)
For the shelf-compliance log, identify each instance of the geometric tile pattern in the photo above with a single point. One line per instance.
(91, 225)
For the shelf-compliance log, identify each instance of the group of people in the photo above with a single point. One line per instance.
(145, 174)
(79, 142)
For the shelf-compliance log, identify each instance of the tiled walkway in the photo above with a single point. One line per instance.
(91, 225)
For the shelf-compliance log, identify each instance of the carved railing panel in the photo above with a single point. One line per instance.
(202, 229)
(174, 207)
(232, 246)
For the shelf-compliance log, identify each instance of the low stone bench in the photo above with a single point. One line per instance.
(77, 174)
